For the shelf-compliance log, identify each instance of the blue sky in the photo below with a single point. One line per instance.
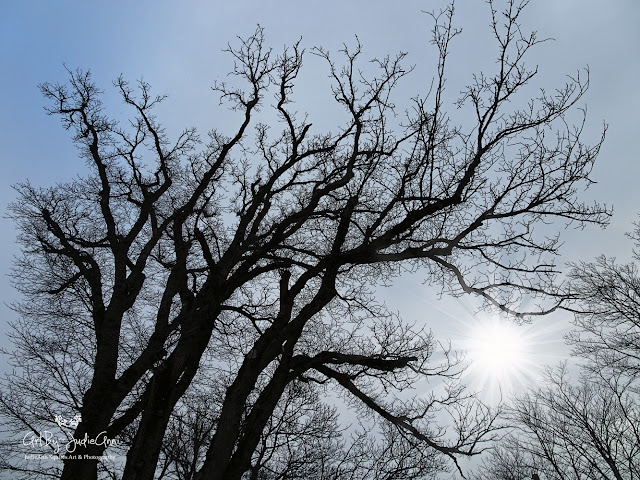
(176, 47)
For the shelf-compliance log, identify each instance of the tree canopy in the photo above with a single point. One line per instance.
(584, 424)
(199, 300)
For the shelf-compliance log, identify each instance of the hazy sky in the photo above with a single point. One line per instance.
(176, 47)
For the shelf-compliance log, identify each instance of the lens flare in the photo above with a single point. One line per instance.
(500, 357)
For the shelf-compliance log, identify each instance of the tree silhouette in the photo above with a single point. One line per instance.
(243, 266)
(586, 426)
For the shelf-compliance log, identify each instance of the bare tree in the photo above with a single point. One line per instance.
(508, 460)
(259, 249)
(608, 318)
(580, 429)
(305, 439)
(586, 426)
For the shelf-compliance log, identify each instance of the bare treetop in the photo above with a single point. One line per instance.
(259, 254)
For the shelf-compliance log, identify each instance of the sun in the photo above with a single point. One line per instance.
(497, 347)
(500, 356)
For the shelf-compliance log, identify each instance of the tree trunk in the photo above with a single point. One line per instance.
(81, 466)
(98, 407)
(256, 421)
(167, 386)
(142, 457)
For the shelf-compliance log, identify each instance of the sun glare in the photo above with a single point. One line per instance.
(502, 358)
(499, 355)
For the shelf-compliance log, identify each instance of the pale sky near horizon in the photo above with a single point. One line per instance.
(176, 47)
